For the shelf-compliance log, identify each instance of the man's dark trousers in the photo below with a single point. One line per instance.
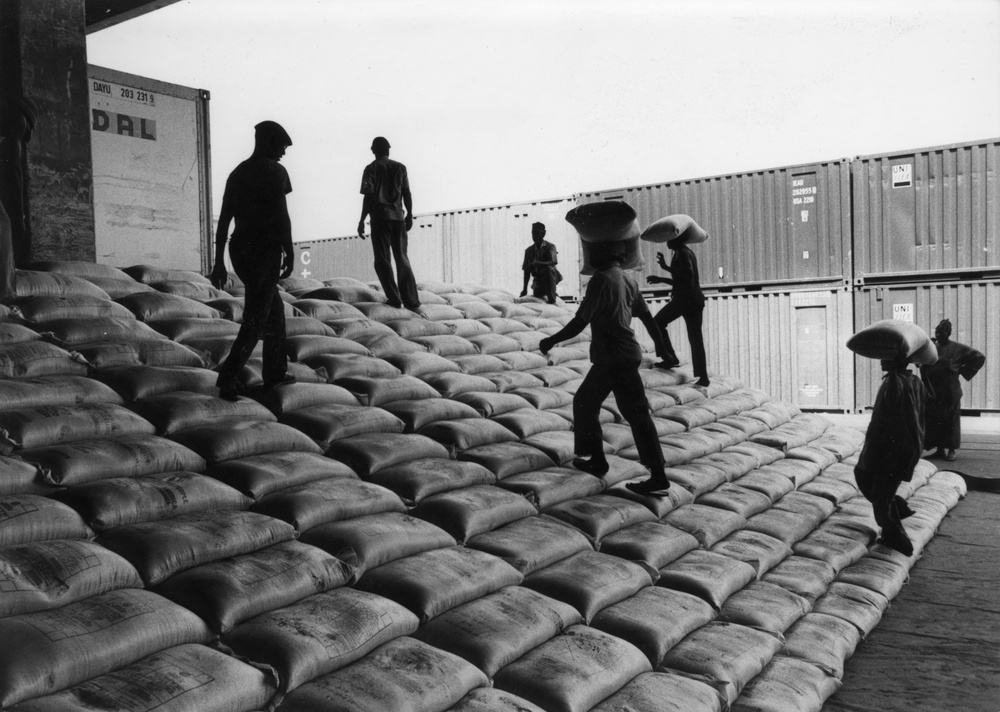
(624, 381)
(258, 266)
(389, 241)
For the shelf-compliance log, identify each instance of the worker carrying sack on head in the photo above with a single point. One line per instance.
(686, 297)
(610, 233)
(894, 440)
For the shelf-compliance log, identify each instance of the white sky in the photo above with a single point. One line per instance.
(492, 102)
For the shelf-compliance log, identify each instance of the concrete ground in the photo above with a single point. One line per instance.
(938, 646)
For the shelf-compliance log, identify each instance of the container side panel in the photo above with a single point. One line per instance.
(969, 306)
(921, 212)
(148, 155)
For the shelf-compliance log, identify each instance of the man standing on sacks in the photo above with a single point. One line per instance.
(386, 188)
(261, 253)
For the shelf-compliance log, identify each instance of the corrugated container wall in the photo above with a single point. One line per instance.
(486, 245)
(481, 245)
(933, 210)
(972, 308)
(335, 257)
(781, 225)
(788, 343)
(352, 257)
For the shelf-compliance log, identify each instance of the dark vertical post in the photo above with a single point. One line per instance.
(46, 61)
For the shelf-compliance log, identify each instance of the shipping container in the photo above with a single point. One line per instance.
(972, 307)
(927, 213)
(486, 245)
(151, 190)
(789, 343)
(335, 257)
(786, 225)
(479, 245)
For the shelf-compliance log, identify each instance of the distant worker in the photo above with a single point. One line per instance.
(610, 303)
(540, 262)
(261, 253)
(944, 391)
(686, 300)
(386, 188)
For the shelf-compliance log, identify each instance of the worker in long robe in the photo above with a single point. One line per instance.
(893, 445)
(944, 391)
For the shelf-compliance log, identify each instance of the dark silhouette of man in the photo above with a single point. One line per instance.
(611, 301)
(386, 188)
(261, 253)
(686, 300)
(540, 262)
(894, 441)
(944, 391)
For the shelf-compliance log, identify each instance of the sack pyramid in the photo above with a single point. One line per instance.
(401, 528)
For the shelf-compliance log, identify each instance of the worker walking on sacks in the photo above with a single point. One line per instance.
(610, 239)
(894, 440)
(386, 190)
(686, 298)
(261, 253)
(944, 391)
(540, 262)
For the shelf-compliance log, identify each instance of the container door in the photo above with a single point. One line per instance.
(804, 217)
(899, 185)
(811, 352)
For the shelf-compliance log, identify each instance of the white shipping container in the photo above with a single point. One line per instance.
(152, 193)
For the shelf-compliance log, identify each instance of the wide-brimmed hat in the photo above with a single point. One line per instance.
(675, 227)
(606, 221)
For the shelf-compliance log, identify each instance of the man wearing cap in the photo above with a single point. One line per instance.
(686, 300)
(540, 262)
(944, 391)
(612, 300)
(261, 253)
(386, 188)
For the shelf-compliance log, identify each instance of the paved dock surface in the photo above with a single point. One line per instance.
(937, 648)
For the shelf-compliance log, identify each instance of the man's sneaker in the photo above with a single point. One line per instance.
(229, 390)
(652, 487)
(595, 467)
(897, 539)
(283, 381)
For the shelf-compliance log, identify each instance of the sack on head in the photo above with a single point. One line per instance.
(673, 227)
(889, 339)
